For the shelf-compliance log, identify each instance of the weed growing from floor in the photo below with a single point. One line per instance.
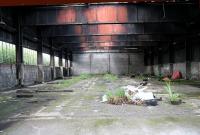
(110, 77)
(173, 97)
(118, 97)
(73, 80)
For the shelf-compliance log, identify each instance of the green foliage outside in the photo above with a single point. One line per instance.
(46, 59)
(29, 56)
(7, 53)
(56, 61)
(110, 77)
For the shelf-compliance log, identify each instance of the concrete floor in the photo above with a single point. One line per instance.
(81, 112)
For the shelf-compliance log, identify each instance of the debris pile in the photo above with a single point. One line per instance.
(131, 95)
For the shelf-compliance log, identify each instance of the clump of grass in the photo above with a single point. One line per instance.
(109, 94)
(85, 76)
(174, 98)
(110, 77)
(73, 80)
(118, 97)
(120, 93)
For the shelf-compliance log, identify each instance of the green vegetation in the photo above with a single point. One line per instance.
(109, 94)
(7, 53)
(73, 80)
(46, 59)
(30, 56)
(118, 97)
(118, 93)
(56, 61)
(110, 77)
(173, 97)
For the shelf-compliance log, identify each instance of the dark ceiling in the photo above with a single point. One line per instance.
(114, 25)
(61, 2)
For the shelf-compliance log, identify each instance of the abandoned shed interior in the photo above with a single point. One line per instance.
(45, 45)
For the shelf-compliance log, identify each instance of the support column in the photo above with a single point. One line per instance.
(188, 50)
(40, 78)
(65, 74)
(52, 63)
(19, 54)
(145, 58)
(159, 61)
(61, 65)
(151, 61)
(70, 63)
(171, 59)
(67, 64)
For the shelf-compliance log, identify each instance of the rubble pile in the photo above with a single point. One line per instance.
(133, 95)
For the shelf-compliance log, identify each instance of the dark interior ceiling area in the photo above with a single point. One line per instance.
(112, 26)
(61, 2)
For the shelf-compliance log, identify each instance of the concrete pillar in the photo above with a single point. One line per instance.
(65, 64)
(159, 61)
(40, 78)
(171, 59)
(70, 63)
(188, 50)
(61, 65)
(151, 54)
(19, 54)
(147, 62)
(52, 64)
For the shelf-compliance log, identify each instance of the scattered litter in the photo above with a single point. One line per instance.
(176, 75)
(133, 95)
(143, 96)
(104, 98)
(152, 102)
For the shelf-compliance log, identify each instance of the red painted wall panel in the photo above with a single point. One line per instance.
(107, 14)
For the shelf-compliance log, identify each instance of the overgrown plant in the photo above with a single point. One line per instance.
(110, 77)
(174, 98)
(73, 80)
(118, 97)
(120, 93)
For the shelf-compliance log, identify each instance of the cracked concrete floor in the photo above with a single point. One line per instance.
(81, 112)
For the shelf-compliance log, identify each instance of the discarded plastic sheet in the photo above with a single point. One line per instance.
(104, 98)
(143, 96)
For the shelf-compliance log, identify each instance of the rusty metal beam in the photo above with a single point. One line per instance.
(61, 2)
(114, 29)
(110, 44)
(108, 13)
(121, 41)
